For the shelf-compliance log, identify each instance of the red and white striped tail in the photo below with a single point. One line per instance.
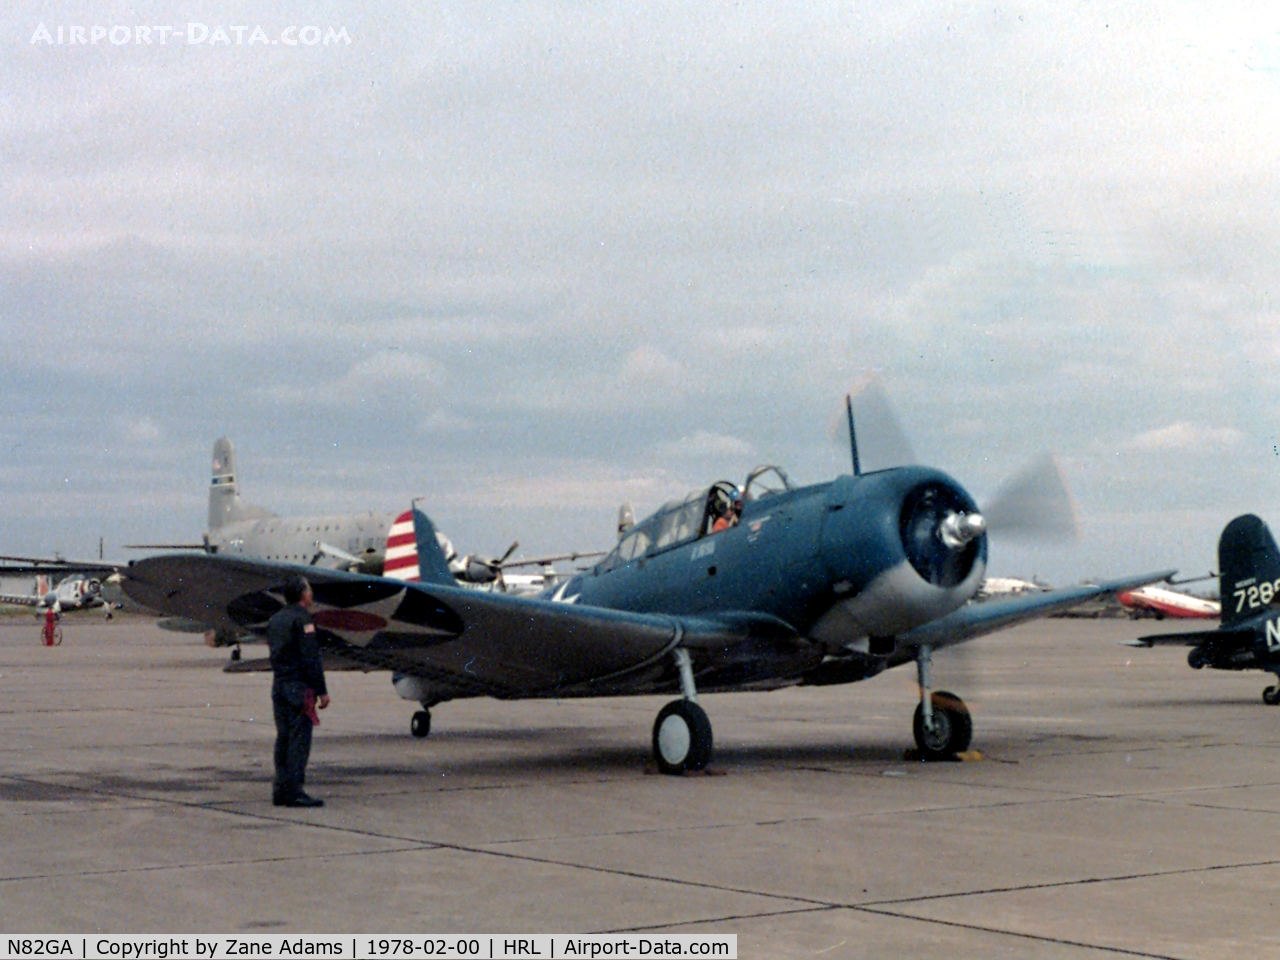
(402, 549)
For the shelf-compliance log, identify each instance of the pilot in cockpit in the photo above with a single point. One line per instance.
(727, 511)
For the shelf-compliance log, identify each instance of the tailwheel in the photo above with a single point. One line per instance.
(1271, 696)
(682, 737)
(949, 730)
(420, 725)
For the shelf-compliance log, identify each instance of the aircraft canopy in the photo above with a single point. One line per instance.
(680, 521)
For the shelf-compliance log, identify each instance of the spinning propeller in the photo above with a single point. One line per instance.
(939, 535)
(1034, 503)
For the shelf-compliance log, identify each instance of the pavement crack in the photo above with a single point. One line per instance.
(726, 918)
(1078, 882)
(652, 830)
(1034, 937)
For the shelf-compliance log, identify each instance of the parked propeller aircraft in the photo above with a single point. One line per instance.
(62, 585)
(1159, 602)
(356, 542)
(823, 584)
(1007, 587)
(1248, 638)
(352, 541)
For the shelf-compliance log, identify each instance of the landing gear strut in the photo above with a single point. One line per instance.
(942, 725)
(682, 733)
(420, 725)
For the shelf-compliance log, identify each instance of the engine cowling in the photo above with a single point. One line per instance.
(903, 547)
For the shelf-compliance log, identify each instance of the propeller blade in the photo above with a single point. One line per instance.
(554, 558)
(882, 443)
(1034, 503)
(506, 556)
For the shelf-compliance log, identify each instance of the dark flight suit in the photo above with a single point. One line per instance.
(295, 660)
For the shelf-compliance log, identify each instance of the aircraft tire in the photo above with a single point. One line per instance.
(1271, 696)
(420, 725)
(952, 727)
(682, 738)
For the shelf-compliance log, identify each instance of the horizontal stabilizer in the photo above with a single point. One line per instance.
(1192, 639)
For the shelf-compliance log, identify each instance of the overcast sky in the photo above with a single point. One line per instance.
(529, 261)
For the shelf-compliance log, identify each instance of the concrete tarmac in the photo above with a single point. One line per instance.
(1125, 807)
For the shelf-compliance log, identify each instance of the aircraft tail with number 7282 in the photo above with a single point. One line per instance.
(1248, 637)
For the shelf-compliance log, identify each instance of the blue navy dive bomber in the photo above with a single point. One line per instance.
(750, 588)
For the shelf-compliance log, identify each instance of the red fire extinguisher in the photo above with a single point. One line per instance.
(51, 633)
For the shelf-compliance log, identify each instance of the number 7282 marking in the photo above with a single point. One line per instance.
(1258, 595)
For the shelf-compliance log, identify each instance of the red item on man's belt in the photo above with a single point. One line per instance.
(309, 706)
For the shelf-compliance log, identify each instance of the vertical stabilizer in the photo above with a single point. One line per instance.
(224, 490)
(401, 558)
(1249, 567)
(432, 566)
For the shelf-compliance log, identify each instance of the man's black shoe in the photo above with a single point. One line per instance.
(296, 800)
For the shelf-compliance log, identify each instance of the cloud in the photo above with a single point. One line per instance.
(386, 378)
(1184, 436)
(705, 444)
(143, 430)
(647, 368)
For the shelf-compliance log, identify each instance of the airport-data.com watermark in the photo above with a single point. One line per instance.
(192, 34)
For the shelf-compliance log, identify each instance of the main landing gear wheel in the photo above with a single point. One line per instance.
(420, 725)
(682, 737)
(1271, 696)
(951, 730)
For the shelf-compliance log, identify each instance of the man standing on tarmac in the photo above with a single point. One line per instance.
(297, 690)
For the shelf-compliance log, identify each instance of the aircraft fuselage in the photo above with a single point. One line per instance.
(841, 562)
(300, 539)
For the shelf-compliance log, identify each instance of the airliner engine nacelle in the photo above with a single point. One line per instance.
(478, 570)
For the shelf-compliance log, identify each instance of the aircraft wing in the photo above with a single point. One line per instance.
(25, 566)
(1191, 639)
(22, 599)
(463, 642)
(977, 619)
